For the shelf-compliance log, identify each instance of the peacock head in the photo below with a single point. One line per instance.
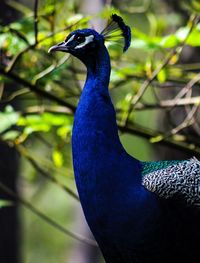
(83, 43)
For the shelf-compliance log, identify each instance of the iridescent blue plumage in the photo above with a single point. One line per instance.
(131, 223)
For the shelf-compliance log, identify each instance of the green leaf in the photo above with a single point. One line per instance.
(64, 131)
(55, 119)
(10, 135)
(8, 118)
(194, 37)
(196, 5)
(74, 19)
(179, 137)
(44, 122)
(40, 127)
(156, 139)
(48, 9)
(57, 158)
(5, 203)
(162, 76)
(182, 33)
(11, 42)
(33, 123)
(169, 41)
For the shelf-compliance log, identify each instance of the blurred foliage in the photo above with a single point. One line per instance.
(5, 203)
(162, 40)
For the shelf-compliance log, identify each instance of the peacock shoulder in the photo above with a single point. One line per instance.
(179, 180)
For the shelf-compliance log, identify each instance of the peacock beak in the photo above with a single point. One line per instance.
(59, 47)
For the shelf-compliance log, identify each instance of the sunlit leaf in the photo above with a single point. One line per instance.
(5, 203)
(33, 123)
(139, 43)
(8, 118)
(182, 33)
(162, 75)
(57, 158)
(179, 137)
(64, 131)
(44, 122)
(10, 135)
(55, 119)
(169, 41)
(75, 18)
(196, 5)
(148, 68)
(194, 37)
(156, 139)
(42, 127)
(48, 9)
(174, 59)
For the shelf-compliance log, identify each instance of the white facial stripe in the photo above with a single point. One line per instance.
(88, 39)
(69, 40)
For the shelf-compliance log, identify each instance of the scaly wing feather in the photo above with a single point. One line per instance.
(178, 179)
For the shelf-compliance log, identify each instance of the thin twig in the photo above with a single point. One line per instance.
(23, 151)
(187, 87)
(137, 130)
(188, 121)
(36, 89)
(36, 21)
(29, 47)
(19, 34)
(15, 94)
(47, 219)
(166, 104)
(180, 102)
(48, 70)
(188, 109)
(46, 108)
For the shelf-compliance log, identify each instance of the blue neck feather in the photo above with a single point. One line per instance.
(95, 116)
(99, 159)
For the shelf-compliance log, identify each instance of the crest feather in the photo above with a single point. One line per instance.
(117, 30)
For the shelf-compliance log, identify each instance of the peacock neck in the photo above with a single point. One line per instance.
(98, 69)
(95, 112)
(99, 158)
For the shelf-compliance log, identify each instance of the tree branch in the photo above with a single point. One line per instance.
(23, 152)
(149, 134)
(36, 21)
(36, 89)
(47, 219)
(29, 47)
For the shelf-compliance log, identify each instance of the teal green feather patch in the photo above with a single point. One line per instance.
(149, 167)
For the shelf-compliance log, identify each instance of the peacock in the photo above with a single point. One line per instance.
(138, 212)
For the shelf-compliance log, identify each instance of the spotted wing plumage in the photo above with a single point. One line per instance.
(180, 180)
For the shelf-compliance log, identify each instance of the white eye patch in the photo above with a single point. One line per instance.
(88, 39)
(69, 40)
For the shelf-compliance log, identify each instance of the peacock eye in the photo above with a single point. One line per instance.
(80, 38)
